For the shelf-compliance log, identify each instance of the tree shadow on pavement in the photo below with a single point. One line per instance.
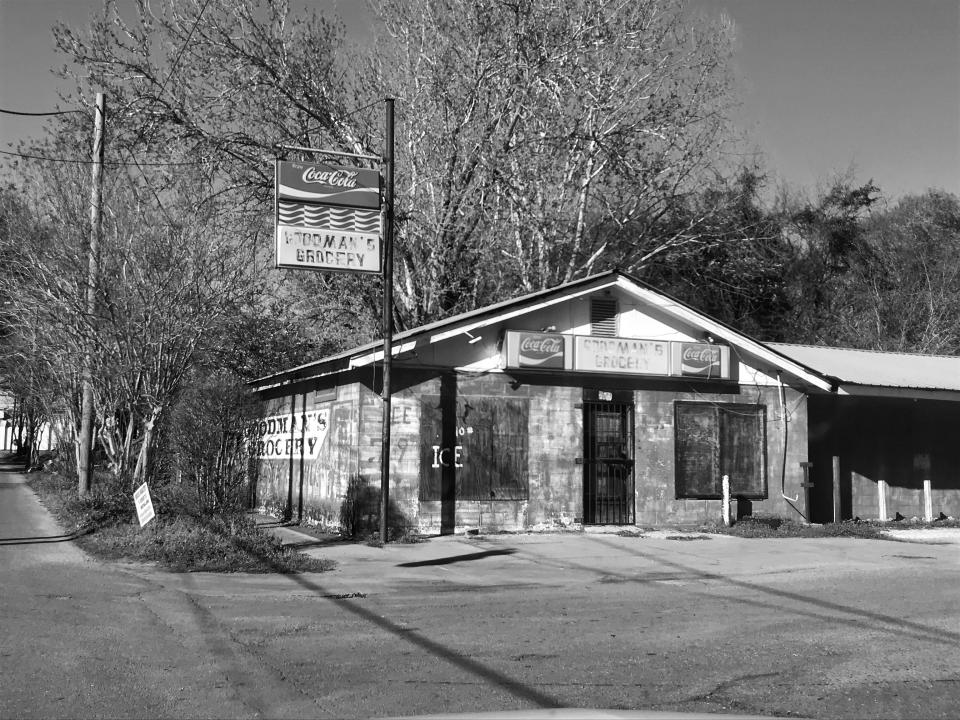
(469, 665)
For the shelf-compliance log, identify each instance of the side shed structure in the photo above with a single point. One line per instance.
(604, 401)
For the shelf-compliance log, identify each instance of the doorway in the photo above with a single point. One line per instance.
(608, 484)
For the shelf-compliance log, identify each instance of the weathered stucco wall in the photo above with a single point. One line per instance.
(346, 464)
(316, 453)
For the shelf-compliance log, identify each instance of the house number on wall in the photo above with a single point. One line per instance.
(441, 456)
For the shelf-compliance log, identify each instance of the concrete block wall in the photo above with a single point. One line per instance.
(272, 477)
(326, 477)
(556, 441)
(322, 480)
(352, 445)
(405, 408)
(655, 460)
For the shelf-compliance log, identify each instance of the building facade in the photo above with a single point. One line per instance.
(601, 402)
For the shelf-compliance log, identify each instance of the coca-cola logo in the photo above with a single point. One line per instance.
(541, 345)
(541, 350)
(699, 359)
(701, 355)
(334, 178)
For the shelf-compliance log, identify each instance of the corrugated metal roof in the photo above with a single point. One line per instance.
(878, 369)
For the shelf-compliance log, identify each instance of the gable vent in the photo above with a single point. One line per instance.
(603, 317)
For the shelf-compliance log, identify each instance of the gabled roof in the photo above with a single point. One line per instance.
(373, 351)
(503, 311)
(862, 371)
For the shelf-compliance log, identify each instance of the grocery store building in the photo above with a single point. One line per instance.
(606, 402)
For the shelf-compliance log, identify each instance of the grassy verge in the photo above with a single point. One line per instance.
(772, 527)
(178, 539)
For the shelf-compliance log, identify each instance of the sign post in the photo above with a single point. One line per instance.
(328, 218)
(387, 317)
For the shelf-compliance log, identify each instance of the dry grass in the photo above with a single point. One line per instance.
(178, 539)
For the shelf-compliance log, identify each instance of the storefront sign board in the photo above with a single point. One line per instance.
(328, 218)
(320, 249)
(615, 355)
(621, 355)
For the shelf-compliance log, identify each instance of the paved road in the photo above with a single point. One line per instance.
(820, 628)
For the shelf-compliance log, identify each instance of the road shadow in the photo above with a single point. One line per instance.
(866, 619)
(477, 669)
(467, 557)
(40, 539)
(319, 542)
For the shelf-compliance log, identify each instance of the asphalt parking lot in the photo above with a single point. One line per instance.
(665, 621)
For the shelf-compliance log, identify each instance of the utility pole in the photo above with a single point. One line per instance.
(85, 441)
(387, 318)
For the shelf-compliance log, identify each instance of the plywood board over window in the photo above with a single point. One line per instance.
(485, 446)
(717, 439)
(493, 434)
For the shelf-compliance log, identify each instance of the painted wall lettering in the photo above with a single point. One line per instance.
(281, 436)
(441, 456)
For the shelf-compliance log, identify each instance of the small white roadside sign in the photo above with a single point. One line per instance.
(141, 498)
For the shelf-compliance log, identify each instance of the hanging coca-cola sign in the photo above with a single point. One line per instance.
(328, 218)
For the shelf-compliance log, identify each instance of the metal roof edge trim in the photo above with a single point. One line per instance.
(734, 336)
(847, 389)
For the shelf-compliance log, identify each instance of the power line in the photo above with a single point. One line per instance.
(111, 163)
(40, 114)
(365, 107)
(183, 48)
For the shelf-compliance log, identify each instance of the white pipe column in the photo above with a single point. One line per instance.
(726, 501)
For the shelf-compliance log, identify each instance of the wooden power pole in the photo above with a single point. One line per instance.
(85, 441)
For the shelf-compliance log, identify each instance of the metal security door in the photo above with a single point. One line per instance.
(608, 497)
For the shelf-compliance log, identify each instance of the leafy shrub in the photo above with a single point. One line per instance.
(207, 433)
(360, 509)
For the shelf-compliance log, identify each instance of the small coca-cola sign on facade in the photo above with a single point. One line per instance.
(700, 359)
(540, 350)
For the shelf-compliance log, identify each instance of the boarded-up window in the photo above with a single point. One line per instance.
(493, 434)
(487, 448)
(697, 449)
(717, 439)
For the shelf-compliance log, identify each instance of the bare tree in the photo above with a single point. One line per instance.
(538, 141)
(544, 141)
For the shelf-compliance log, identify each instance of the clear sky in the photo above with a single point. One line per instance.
(828, 85)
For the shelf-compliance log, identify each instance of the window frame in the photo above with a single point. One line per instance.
(718, 411)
